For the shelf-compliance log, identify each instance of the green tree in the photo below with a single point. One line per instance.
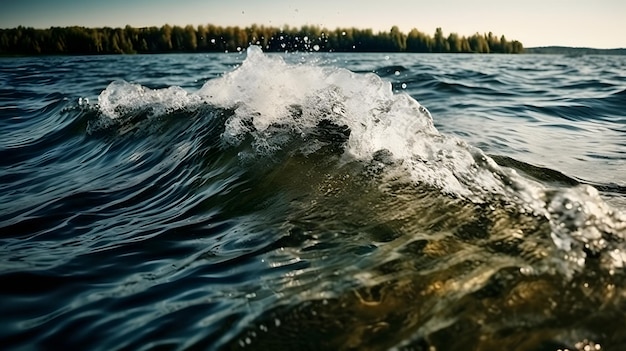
(440, 43)
(165, 43)
(398, 39)
(418, 42)
(454, 43)
(202, 40)
(479, 44)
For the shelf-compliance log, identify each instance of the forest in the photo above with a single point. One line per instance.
(210, 38)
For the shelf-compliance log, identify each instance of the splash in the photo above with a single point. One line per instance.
(122, 99)
(275, 105)
(273, 99)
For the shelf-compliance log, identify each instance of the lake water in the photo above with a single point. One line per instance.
(313, 201)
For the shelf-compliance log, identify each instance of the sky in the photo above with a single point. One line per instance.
(581, 23)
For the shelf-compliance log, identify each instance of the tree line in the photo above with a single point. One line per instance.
(210, 38)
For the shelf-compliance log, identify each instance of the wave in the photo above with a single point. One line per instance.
(320, 163)
(283, 108)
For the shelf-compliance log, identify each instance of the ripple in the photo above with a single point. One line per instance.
(149, 231)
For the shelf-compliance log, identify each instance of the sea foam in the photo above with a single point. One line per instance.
(265, 93)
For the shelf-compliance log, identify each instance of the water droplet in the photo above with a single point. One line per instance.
(277, 322)
(316, 47)
(343, 33)
(526, 270)
(397, 73)
(387, 57)
(213, 41)
(403, 85)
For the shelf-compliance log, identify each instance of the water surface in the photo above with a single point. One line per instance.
(312, 201)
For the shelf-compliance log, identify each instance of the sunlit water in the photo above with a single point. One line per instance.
(313, 201)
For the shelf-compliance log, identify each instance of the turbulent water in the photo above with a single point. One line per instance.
(313, 201)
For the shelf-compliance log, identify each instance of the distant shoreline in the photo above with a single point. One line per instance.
(59, 41)
(28, 41)
(573, 51)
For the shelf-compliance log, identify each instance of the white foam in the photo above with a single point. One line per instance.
(264, 90)
(122, 98)
(582, 222)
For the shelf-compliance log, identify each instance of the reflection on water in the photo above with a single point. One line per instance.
(292, 204)
(392, 265)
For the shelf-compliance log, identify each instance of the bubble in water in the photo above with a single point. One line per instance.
(316, 47)
(397, 73)
(213, 41)
(526, 270)
(403, 85)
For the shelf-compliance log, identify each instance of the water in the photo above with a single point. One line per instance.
(313, 201)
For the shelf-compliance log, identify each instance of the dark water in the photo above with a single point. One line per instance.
(204, 202)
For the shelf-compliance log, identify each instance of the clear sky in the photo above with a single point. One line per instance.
(590, 23)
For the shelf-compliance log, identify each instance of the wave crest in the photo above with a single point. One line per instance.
(305, 108)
